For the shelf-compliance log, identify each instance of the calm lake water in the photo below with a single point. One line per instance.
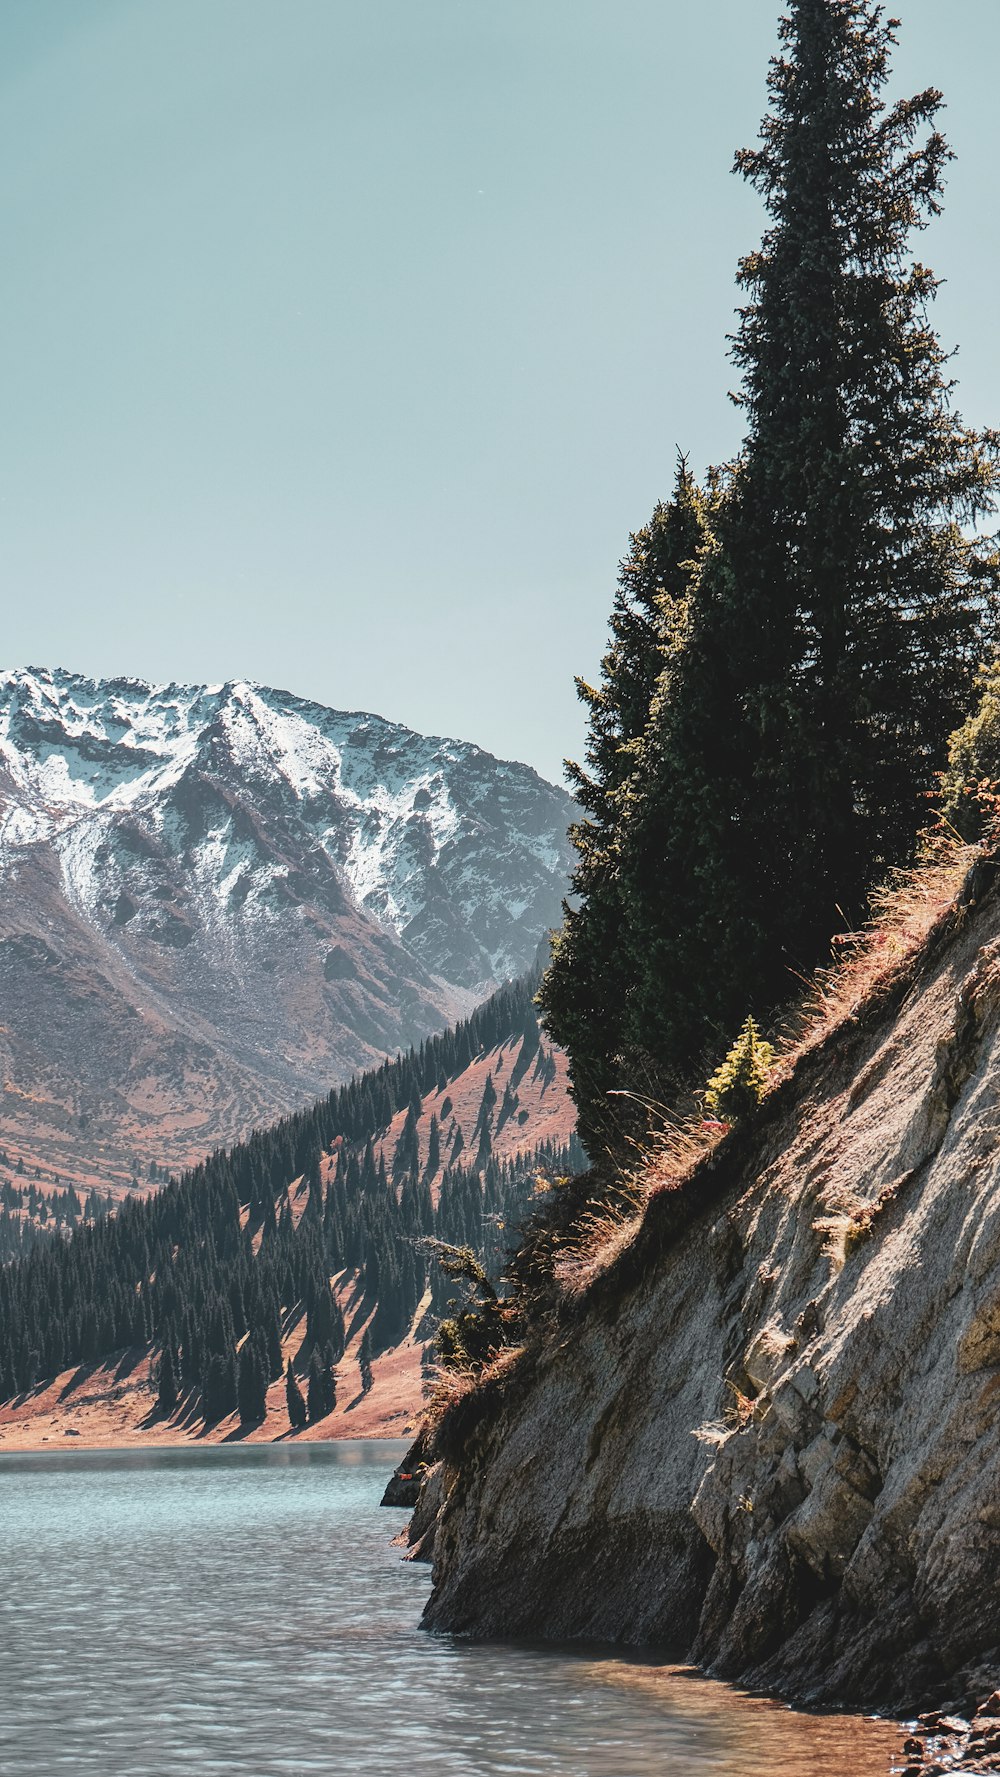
(194, 1613)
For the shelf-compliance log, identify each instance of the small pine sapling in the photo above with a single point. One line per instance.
(737, 1087)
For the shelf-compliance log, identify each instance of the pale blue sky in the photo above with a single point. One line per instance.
(341, 345)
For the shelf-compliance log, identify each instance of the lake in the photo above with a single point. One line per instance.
(199, 1612)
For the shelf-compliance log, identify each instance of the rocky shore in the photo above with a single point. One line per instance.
(937, 1744)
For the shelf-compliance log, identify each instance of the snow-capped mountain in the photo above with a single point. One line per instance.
(216, 901)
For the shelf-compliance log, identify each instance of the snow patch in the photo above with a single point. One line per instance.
(407, 821)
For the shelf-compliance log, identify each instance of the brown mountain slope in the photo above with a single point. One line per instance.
(113, 1404)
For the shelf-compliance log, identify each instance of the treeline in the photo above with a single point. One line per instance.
(214, 1269)
(793, 641)
(28, 1214)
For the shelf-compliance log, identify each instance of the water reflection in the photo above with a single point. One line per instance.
(345, 1453)
(188, 1613)
(762, 1739)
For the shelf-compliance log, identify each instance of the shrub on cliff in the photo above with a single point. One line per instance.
(971, 781)
(474, 1331)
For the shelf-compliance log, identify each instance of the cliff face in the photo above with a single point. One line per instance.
(767, 1438)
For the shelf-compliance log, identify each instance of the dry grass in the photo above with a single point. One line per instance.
(465, 1400)
(905, 912)
(854, 1219)
(451, 1385)
(740, 1410)
(868, 964)
(599, 1239)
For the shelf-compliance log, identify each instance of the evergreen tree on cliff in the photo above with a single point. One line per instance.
(828, 640)
(586, 983)
(848, 605)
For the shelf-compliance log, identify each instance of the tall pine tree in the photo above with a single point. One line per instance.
(827, 642)
(852, 612)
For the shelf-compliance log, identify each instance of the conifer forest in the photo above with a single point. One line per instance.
(211, 1268)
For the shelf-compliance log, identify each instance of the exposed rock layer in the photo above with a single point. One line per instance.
(768, 1441)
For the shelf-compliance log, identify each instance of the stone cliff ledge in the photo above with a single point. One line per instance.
(766, 1438)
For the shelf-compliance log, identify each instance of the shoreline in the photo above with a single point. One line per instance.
(236, 1448)
(930, 1745)
(112, 1406)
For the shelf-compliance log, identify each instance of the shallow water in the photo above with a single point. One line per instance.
(194, 1613)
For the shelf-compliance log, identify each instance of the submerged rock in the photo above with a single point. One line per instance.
(403, 1488)
(945, 1743)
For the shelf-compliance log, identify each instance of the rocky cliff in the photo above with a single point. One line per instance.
(761, 1432)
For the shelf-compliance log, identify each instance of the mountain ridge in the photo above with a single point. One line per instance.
(215, 901)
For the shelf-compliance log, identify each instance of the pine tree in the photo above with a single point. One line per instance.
(407, 1155)
(487, 1105)
(586, 984)
(824, 648)
(251, 1384)
(166, 1394)
(322, 1388)
(272, 1340)
(737, 1087)
(324, 1320)
(365, 1362)
(297, 1413)
(852, 601)
(329, 1379)
(970, 784)
(433, 1148)
(219, 1395)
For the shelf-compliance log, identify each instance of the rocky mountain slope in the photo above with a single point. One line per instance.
(217, 901)
(760, 1428)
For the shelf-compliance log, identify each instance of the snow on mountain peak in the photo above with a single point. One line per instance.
(463, 856)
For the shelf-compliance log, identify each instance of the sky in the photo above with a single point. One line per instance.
(342, 346)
